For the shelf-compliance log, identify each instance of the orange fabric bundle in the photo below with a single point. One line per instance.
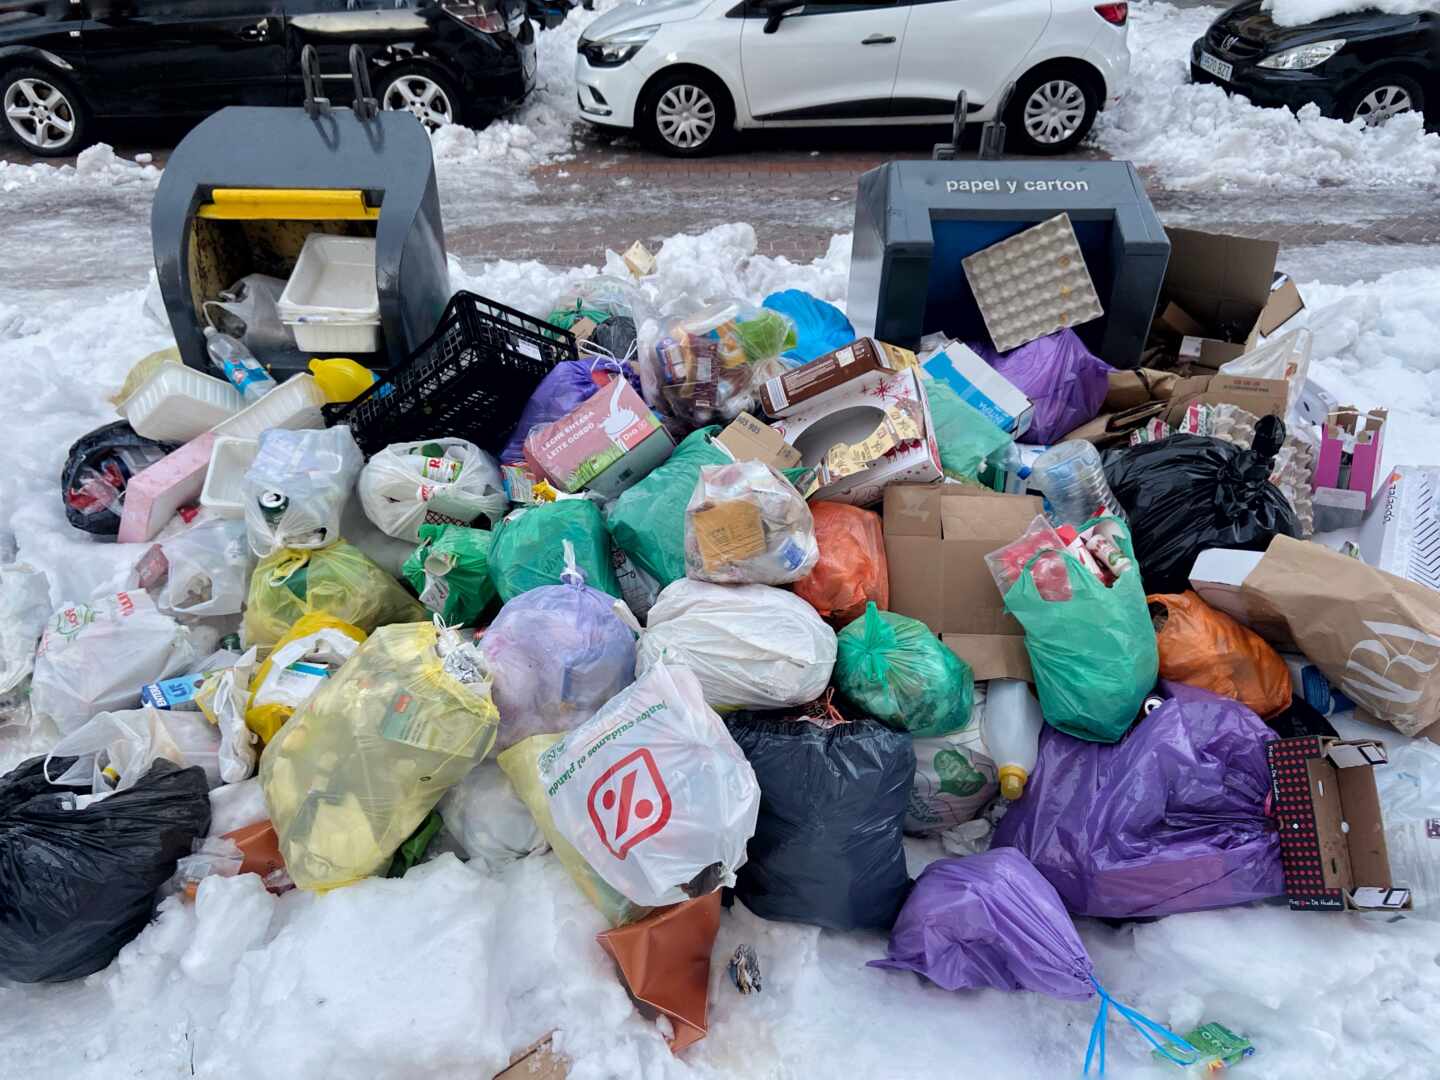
(1202, 647)
(852, 570)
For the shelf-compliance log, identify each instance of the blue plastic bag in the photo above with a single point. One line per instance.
(819, 327)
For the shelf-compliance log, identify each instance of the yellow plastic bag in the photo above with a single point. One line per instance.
(358, 767)
(339, 580)
(270, 706)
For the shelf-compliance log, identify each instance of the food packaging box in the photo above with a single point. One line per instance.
(1351, 446)
(982, 387)
(749, 439)
(1401, 533)
(174, 694)
(826, 377)
(605, 444)
(153, 495)
(936, 540)
(1332, 837)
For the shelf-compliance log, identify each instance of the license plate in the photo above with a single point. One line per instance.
(1216, 67)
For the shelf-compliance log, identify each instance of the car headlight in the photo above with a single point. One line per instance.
(614, 49)
(1303, 57)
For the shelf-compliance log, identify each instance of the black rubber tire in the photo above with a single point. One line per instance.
(79, 136)
(1018, 140)
(649, 131)
(460, 111)
(1409, 84)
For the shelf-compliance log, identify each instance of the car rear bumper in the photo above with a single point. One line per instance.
(498, 74)
(1271, 89)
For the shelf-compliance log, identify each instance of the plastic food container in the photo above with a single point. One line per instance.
(331, 301)
(178, 403)
(293, 404)
(225, 482)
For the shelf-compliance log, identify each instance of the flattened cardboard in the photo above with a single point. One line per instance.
(750, 439)
(539, 1061)
(936, 540)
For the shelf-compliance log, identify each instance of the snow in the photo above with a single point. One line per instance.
(1300, 12)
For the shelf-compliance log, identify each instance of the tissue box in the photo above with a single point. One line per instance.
(605, 444)
(982, 387)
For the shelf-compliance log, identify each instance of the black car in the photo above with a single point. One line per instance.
(64, 63)
(1365, 66)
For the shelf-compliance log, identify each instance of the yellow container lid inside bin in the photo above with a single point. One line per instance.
(287, 204)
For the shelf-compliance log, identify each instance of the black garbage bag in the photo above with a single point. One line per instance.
(1191, 492)
(76, 885)
(828, 846)
(96, 471)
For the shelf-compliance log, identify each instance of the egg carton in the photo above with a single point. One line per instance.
(1033, 284)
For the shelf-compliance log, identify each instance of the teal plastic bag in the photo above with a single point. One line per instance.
(1094, 655)
(527, 550)
(450, 571)
(893, 668)
(965, 436)
(647, 521)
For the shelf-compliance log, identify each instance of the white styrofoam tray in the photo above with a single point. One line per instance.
(225, 480)
(331, 301)
(293, 404)
(178, 403)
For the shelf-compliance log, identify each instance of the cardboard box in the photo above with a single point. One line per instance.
(983, 387)
(936, 540)
(825, 377)
(153, 495)
(1332, 837)
(1351, 446)
(1401, 533)
(604, 445)
(1263, 397)
(749, 439)
(853, 417)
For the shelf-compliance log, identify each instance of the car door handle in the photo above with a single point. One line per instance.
(259, 32)
(879, 39)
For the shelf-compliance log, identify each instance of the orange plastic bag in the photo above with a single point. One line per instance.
(1202, 647)
(852, 570)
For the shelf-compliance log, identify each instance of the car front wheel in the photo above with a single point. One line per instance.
(43, 112)
(1050, 112)
(1383, 97)
(686, 114)
(422, 90)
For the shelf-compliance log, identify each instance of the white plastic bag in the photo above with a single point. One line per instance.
(115, 749)
(96, 657)
(746, 524)
(751, 646)
(225, 707)
(955, 777)
(653, 792)
(295, 489)
(487, 819)
(1286, 357)
(24, 607)
(209, 570)
(441, 481)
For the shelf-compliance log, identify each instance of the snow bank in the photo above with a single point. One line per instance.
(1300, 12)
(1198, 137)
(97, 167)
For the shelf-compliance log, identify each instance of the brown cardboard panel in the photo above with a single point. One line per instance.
(1217, 266)
(1214, 354)
(1284, 304)
(537, 1062)
(1325, 797)
(912, 510)
(991, 656)
(915, 577)
(1177, 320)
(1369, 861)
(749, 439)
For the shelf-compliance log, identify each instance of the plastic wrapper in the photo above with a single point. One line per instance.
(248, 311)
(1171, 819)
(567, 386)
(851, 570)
(746, 524)
(80, 883)
(300, 663)
(24, 610)
(360, 765)
(97, 469)
(450, 571)
(1094, 655)
(339, 580)
(711, 363)
(653, 792)
(955, 779)
(1202, 647)
(828, 847)
(965, 437)
(820, 327)
(208, 570)
(893, 668)
(647, 521)
(527, 549)
(1188, 493)
(1064, 380)
(990, 921)
(95, 657)
(488, 820)
(436, 482)
(1039, 548)
(558, 653)
(295, 489)
(112, 750)
(750, 646)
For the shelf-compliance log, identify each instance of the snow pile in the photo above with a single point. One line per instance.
(98, 167)
(1198, 137)
(1300, 12)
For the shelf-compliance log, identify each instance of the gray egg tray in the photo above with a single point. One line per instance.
(1033, 284)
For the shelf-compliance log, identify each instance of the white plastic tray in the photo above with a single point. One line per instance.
(331, 300)
(225, 480)
(178, 403)
(293, 404)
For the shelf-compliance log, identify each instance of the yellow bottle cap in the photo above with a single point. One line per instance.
(1012, 781)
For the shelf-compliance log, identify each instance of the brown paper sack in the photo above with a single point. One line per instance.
(664, 960)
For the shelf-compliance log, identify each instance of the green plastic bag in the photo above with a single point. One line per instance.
(965, 436)
(450, 571)
(647, 521)
(526, 549)
(894, 669)
(1094, 655)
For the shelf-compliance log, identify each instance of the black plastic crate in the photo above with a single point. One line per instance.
(469, 380)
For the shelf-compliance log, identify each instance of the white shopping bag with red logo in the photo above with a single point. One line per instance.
(653, 792)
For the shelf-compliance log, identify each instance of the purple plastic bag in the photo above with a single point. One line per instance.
(569, 384)
(989, 920)
(1169, 819)
(1066, 382)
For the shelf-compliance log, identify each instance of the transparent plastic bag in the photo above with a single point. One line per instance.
(436, 482)
(360, 765)
(298, 665)
(295, 489)
(1042, 544)
(113, 750)
(747, 525)
(208, 571)
(487, 819)
(223, 698)
(711, 363)
(24, 608)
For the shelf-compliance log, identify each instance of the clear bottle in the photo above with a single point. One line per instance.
(1073, 481)
(1012, 732)
(238, 364)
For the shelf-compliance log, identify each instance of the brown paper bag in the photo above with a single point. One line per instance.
(1375, 636)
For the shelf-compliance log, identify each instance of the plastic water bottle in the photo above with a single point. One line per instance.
(238, 364)
(1073, 481)
(1012, 733)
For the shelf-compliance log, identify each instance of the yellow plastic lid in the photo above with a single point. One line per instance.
(1012, 781)
(340, 378)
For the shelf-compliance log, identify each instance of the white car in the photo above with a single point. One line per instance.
(685, 73)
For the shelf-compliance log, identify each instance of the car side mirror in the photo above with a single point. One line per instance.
(775, 10)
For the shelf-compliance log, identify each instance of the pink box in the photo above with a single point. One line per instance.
(1351, 446)
(153, 495)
